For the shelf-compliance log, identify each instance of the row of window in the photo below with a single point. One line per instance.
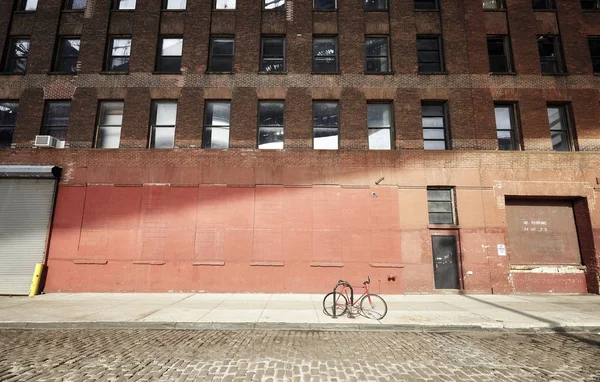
(369, 5)
(273, 54)
(217, 121)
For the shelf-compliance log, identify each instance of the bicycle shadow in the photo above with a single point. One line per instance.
(553, 327)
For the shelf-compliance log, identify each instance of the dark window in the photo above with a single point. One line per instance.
(174, 4)
(75, 4)
(169, 55)
(499, 54)
(68, 54)
(224, 4)
(270, 125)
(274, 4)
(427, 4)
(162, 124)
(16, 58)
(325, 125)
(550, 54)
(544, 5)
(590, 4)
(435, 126)
(506, 127)
(110, 119)
(124, 4)
(8, 118)
(375, 5)
(56, 119)
(379, 123)
(377, 54)
(429, 53)
(594, 43)
(272, 54)
(119, 52)
(324, 4)
(559, 128)
(493, 4)
(325, 55)
(217, 119)
(440, 204)
(27, 5)
(221, 54)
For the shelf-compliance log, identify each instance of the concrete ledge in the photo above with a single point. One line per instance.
(209, 263)
(326, 264)
(86, 261)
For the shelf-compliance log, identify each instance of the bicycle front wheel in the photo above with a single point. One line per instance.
(340, 306)
(373, 306)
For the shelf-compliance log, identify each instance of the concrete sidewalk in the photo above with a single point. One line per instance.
(299, 311)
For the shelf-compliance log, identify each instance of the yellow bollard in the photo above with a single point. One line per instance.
(35, 281)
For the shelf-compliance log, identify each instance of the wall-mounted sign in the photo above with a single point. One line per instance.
(501, 249)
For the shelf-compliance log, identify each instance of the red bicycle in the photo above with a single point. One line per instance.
(368, 304)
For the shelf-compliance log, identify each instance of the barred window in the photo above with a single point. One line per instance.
(441, 205)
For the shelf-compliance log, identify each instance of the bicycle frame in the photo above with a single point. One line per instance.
(350, 299)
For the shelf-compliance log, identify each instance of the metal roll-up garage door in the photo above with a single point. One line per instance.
(25, 212)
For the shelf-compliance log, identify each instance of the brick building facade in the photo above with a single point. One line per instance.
(297, 219)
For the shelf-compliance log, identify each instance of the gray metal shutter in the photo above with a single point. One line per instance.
(25, 212)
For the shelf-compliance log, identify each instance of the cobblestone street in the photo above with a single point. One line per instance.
(277, 355)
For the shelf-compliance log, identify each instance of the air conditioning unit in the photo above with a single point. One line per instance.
(48, 141)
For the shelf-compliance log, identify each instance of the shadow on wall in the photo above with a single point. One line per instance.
(554, 326)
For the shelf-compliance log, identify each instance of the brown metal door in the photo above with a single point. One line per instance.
(542, 232)
(445, 262)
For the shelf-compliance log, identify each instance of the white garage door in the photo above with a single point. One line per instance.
(25, 213)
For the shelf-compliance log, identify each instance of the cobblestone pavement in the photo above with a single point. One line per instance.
(278, 355)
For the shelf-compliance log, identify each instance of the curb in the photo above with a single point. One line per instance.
(296, 326)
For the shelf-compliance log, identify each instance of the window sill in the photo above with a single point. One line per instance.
(555, 74)
(503, 73)
(375, 10)
(433, 73)
(173, 10)
(111, 73)
(596, 74)
(11, 74)
(274, 10)
(324, 10)
(72, 10)
(443, 226)
(428, 10)
(168, 73)
(208, 72)
(590, 10)
(123, 10)
(24, 12)
(495, 10)
(387, 265)
(150, 262)
(282, 73)
(545, 10)
(326, 73)
(378, 73)
(223, 10)
(62, 73)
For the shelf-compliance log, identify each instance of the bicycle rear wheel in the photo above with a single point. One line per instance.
(340, 306)
(376, 308)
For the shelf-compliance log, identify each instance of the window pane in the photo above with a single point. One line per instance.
(109, 137)
(495, 47)
(20, 48)
(121, 47)
(325, 138)
(430, 110)
(221, 46)
(30, 5)
(79, 4)
(439, 195)
(434, 145)
(169, 64)
(379, 115)
(377, 65)
(426, 4)
(70, 48)
(376, 47)
(325, 114)
(164, 138)
(375, 4)
(440, 206)
(542, 4)
(166, 113)
(441, 218)
(324, 47)
(8, 113)
(274, 4)
(171, 47)
(272, 47)
(225, 4)
(505, 140)
(217, 114)
(126, 4)
(58, 113)
(176, 4)
(57, 132)
(433, 134)
(433, 122)
(560, 141)
(16, 65)
(430, 68)
(6, 136)
(111, 113)
(270, 114)
(324, 4)
(272, 65)
(216, 137)
(429, 57)
(555, 118)
(503, 117)
(498, 64)
(492, 4)
(425, 43)
(380, 139)
(270, 138)
(594, 46)
(546, 49)
(325, 65)
(119, 64)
